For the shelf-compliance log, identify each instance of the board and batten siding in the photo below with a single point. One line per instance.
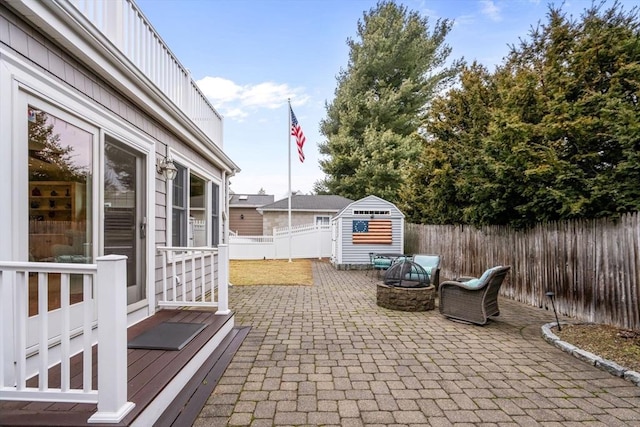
(348, 253)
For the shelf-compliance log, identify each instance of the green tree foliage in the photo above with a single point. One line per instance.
(440, 187)
(395, 66)
(553, 133)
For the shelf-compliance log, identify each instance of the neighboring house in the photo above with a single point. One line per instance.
(305, 209)
(244, 218)
(308, 237)
(94, 106)
(369, 225)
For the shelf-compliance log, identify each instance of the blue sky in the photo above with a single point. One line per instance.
(250, 56)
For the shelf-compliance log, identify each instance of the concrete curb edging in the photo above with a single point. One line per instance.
(597, 361)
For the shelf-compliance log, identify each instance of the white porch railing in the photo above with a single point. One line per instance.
(31, 344)
(122, 22)
(190, 277)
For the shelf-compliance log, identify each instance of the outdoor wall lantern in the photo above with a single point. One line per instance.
(551, 295)
(167, 168)
(241, 216)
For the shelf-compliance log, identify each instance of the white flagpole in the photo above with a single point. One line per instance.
(289, 145)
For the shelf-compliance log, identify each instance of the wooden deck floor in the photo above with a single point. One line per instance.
(148, 373)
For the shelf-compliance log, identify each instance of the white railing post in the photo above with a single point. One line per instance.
(7, 316)
(112, 340)
(223, 280)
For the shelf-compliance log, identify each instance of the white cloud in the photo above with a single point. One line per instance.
(219, 90)
(491, 10)
(265, 95)
(463, 20)
(235, 113)
(237, 101)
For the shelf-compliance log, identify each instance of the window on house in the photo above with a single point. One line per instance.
(179, 211)
(215, 218)
(323, 220)
(191, 217)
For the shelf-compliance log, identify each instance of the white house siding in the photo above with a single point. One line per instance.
(22, 40)
(349, 255)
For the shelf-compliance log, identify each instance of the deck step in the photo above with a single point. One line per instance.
(189, 402)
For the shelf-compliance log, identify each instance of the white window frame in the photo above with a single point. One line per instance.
(20, 79)
(322, 221)
(210, 180)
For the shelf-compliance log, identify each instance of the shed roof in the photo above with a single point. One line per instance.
(250, 200)
(315, 203)
(369, 201)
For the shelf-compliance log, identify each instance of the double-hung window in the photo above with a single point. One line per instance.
(323, 220)
(195, 210)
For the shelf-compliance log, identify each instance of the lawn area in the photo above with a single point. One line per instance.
(270, 272)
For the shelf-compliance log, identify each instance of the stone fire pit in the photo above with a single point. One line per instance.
(406, 298)
(406, 287)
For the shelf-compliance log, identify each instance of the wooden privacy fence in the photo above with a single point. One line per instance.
(592, 266)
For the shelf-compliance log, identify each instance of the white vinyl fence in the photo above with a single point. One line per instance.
(304, 241)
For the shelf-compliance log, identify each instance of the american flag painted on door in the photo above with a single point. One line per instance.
(372, 231)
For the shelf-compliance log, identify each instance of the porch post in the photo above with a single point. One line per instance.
(223, 280)
(112, 340)
(7, 328)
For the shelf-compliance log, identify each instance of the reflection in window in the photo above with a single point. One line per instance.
(191, 230)
(179, 211)
(197, 211)
(59, 174)
(215, 220)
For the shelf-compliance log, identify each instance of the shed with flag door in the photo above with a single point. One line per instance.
(369, 225)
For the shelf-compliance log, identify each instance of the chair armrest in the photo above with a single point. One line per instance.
(461, 284)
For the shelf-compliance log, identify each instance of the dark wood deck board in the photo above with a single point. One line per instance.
(148, 372)
(191, 400)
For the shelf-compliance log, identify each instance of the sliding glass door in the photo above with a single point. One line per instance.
(124, 216)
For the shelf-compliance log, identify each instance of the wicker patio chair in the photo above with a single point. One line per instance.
(431, 264)
(473, 300)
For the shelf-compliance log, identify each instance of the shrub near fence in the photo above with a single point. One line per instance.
(593, 266)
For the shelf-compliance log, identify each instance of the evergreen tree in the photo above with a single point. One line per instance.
(553, 133)
(395, 66)
(440, 186)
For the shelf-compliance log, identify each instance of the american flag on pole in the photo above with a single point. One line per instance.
(296, 131)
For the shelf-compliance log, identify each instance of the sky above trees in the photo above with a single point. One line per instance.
(249, 56)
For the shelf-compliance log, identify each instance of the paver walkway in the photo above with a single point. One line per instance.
(328, 355)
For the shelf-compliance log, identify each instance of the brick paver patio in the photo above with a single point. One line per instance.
(328, 355)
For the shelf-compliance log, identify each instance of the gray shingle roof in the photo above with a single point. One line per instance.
(250, 200)
(303, 202)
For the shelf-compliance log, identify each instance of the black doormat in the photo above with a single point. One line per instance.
(167, 336)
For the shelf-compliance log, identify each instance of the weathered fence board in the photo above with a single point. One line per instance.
(592, 266)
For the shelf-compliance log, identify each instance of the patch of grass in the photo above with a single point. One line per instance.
(270, 272)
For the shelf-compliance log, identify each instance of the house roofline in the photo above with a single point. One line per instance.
(73, 31)
(299, 210)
